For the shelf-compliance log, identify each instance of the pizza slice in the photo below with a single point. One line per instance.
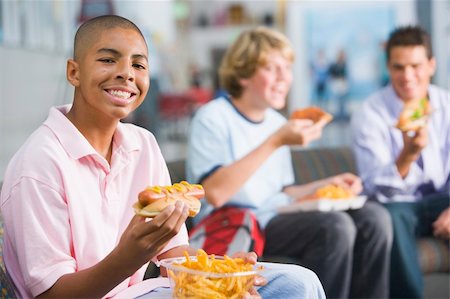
(313, 113)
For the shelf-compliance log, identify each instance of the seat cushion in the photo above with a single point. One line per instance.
(315, 164)
(433, 255)
(6, 285)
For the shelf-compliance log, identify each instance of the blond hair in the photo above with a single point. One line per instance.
(248, 52)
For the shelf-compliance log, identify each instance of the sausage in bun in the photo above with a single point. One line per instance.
(153, 200)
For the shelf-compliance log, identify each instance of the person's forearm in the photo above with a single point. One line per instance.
(403, 163)
(227, 180)
(93, 282)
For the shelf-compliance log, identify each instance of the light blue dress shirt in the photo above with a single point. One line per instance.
(377, 143)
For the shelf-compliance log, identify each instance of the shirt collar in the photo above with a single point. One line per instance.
(125, 138)
(228, 99)
(392, 101)
(75, 144)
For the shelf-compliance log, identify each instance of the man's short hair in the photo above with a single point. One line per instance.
(409, 36)
(90, 29)
(248, 52)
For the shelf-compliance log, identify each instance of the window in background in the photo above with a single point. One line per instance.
(41, 26)
(362, 29)
(441, 41)
(348, 58)
(95, 8)
(351, 57)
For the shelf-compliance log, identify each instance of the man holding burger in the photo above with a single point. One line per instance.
(401, 139)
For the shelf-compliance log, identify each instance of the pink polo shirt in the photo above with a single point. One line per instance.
(65, 208)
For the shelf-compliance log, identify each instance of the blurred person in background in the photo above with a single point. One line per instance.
(238, 149)
(339, 85)
(407, 171)
(319, 74)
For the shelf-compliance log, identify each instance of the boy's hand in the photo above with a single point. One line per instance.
(248, 257)
(441, 226)
(252, 258)
(252, 294)
(414, 142)
(143, 240)
(299, 132)
(347, 181)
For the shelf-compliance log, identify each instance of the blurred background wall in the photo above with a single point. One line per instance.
(187, 40)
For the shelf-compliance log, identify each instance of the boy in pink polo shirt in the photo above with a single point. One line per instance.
(70, 230)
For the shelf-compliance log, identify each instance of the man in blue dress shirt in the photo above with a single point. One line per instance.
(407, 171)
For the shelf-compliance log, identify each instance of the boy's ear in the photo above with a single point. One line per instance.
(243, 82)
(432, 63)
(73, 72)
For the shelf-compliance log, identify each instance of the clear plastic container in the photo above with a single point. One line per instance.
(189, 283)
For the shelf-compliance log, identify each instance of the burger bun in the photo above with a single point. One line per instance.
(153, 209)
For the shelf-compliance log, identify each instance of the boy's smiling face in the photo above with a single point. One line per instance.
(111, 74)
(270, 84)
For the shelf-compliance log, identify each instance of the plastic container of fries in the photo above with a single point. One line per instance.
(209, 276)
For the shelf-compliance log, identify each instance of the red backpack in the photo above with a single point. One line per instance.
(228, 230)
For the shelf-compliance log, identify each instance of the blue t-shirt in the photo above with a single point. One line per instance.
(221, 135)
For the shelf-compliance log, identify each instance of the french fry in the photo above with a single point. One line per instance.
(333, 192)
(187, 285)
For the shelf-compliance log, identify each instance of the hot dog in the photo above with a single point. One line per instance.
(153, 200)
(313, 113)
(414, 115)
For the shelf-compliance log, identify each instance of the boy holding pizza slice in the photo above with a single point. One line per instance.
(66, 201)
(239, 151)
(401, 139)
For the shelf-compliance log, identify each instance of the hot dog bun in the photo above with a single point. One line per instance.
(414, 115)
(153, 200)
(313, 113)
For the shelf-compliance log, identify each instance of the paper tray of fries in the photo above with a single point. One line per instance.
(325, 204)
(209, 276)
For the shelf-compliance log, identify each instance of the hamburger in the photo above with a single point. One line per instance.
(414, 115)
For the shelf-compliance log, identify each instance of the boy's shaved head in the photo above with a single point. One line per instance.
(91, 29)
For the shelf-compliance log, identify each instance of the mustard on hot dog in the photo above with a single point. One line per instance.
(154, 199)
